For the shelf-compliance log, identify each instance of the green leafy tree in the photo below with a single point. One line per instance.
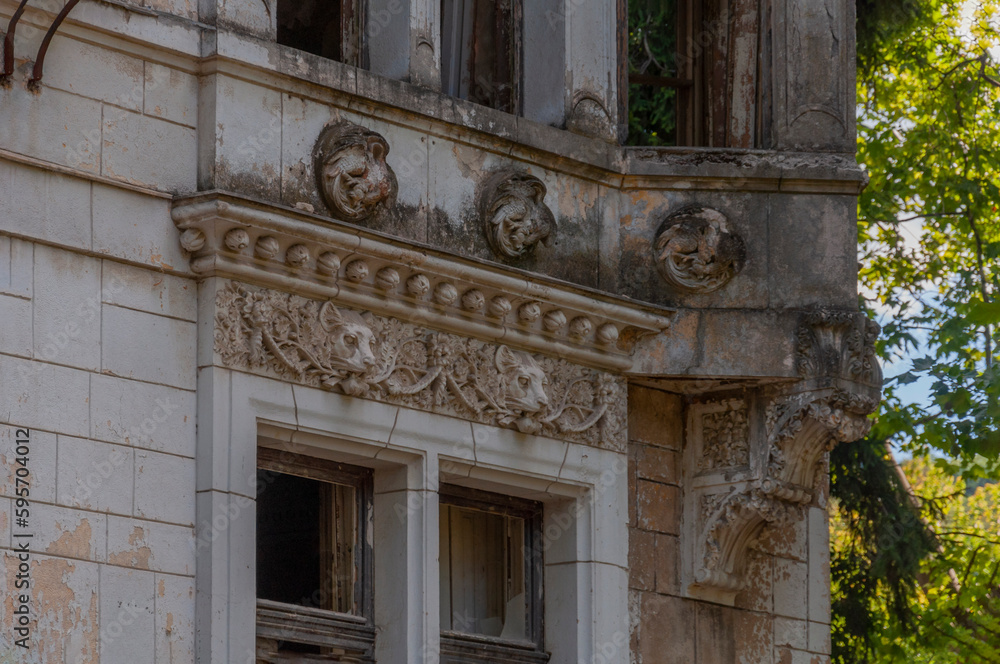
(951, 615)
(929, 224)
(915, 574)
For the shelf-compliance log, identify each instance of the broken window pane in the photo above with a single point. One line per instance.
(482, 573)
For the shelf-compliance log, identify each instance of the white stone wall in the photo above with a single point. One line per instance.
(97, 359)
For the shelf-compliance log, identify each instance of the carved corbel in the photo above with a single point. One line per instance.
(353, 177)
(772, 445)
(838, 344)
(733, 521)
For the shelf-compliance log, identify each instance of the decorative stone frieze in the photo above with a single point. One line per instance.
(353, 177)
(316, 257)
(514, 213)
(375, 357)
(695, 252)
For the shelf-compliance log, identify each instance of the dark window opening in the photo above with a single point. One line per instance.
(693, 73)
(491, 571)
(314, 560)
(654, 77)
(480, 52)
(328, 28)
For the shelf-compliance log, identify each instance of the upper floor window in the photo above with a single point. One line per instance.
(491, 577)
(314, 560)
(693, 73)
(480, 52)
(328, 28)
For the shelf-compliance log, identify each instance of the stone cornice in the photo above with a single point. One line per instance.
(317, 257)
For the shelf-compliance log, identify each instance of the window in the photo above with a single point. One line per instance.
(480, 53)
(314, 560)
(693, 73)
(491, 577)
(327, 28)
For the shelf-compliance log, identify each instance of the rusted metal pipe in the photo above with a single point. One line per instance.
(36, 74)
(8, 42)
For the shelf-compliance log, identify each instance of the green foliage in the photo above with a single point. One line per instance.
(929, 224)
(951, 597)
(879, 541)
(909, 589)
(652, 46)
(882, 22)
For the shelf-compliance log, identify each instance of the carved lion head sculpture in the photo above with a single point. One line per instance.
(350, 343)
(514, 213)
(695, 252)
(353, 177)
(523, 380)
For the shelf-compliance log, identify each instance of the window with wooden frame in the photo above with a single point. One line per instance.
(693, 72)
(481, 52)
(332, 29)
(314, 560)
(491, 578)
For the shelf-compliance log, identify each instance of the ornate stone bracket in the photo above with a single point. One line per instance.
(316, 257)
(373, 357)
(840, 344)
(755, 458)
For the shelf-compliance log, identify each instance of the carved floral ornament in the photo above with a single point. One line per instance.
(515, 217)
(695, 252)
(838, 344)
(353, 177)
(373, 357)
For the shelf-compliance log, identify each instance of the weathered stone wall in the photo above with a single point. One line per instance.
(783, 614)
(97, 350)
(100, 323)
(97, 360)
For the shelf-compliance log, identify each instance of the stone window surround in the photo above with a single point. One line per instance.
(583, 489)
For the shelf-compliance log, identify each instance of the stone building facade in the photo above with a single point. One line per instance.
(555, 399)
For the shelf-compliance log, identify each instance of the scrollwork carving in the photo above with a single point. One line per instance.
(351, 171)
(384, 359)
(695, 252)
(514, 213)
(798, 430)
(838, 344)
(733, 521)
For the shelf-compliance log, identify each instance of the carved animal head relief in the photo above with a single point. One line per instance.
(695, 252)
(514, 213)
(353, 177)
(523, 380)
(294, 337)
(318, 344)
(350, 340)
